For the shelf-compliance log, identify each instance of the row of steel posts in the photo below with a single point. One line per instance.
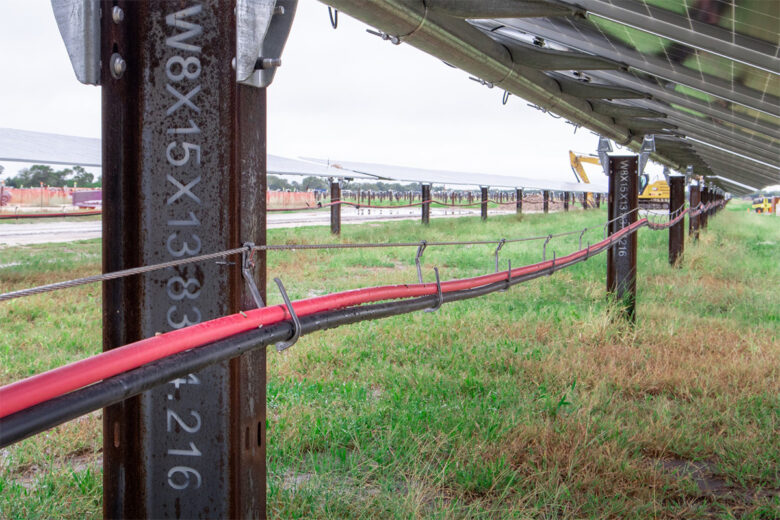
(184, 155)
(623, 205)
(425, 197)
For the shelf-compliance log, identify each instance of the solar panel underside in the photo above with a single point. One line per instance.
(708, 67)
(703, 76)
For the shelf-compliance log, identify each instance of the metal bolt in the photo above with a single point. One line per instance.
(267, 63)
(279, 9)
(117, 65)
(117, 14)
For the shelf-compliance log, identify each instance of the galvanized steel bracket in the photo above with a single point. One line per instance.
(262, 28)
(648, 147)
(79, 25)
(603, 149)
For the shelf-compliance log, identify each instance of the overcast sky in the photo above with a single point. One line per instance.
(340, 94)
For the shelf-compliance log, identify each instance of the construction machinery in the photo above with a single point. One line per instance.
(579, 173)
(653, 195)
(762, 205)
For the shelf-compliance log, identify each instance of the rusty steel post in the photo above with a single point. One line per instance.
(519, 200)
(705, 199)
(484, 205)
(676, 231)
(598, 200)
(622, 203)
(695, 200)
(565, 201)
(184, 174)
(546, 198)
(335, 209)
(426, 206)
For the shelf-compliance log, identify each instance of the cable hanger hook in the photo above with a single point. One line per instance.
(283, 345)
(420, 249)
(440, 299)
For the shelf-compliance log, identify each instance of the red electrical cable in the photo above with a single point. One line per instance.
(50, 215)
(48, 385)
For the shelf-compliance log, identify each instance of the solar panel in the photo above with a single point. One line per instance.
(703, 75)
(39, 147)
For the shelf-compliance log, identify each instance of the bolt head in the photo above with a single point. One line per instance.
(117, 66)
(117, 14)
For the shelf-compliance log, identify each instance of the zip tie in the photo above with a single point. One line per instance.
(440, 301)
(283, 345)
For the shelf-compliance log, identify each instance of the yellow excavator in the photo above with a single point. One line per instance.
(579, 173)
(653, 195)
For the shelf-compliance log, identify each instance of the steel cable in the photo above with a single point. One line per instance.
(280, 247)
(48, 385)
(221, 254)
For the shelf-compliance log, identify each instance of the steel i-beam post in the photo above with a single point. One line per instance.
(705, 199)
(676, 231)
(426, 206)
(622, 203)
(335, 208)
(546, 204)
(519, 200)
(184, 174)
(694, 199)
(484, 205)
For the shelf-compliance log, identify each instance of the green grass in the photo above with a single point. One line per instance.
(536, 402)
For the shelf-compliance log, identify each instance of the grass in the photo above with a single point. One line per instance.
(532, 403)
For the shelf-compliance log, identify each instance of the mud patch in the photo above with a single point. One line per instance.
(705, 475)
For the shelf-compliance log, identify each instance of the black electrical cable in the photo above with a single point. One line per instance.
(49, 414)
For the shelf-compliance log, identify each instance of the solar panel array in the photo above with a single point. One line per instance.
(45, 148)
(703, 76)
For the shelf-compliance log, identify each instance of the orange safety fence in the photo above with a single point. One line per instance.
(289, 199)
(50, 196)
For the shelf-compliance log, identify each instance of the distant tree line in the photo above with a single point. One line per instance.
(276, 183)
(36, 174)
